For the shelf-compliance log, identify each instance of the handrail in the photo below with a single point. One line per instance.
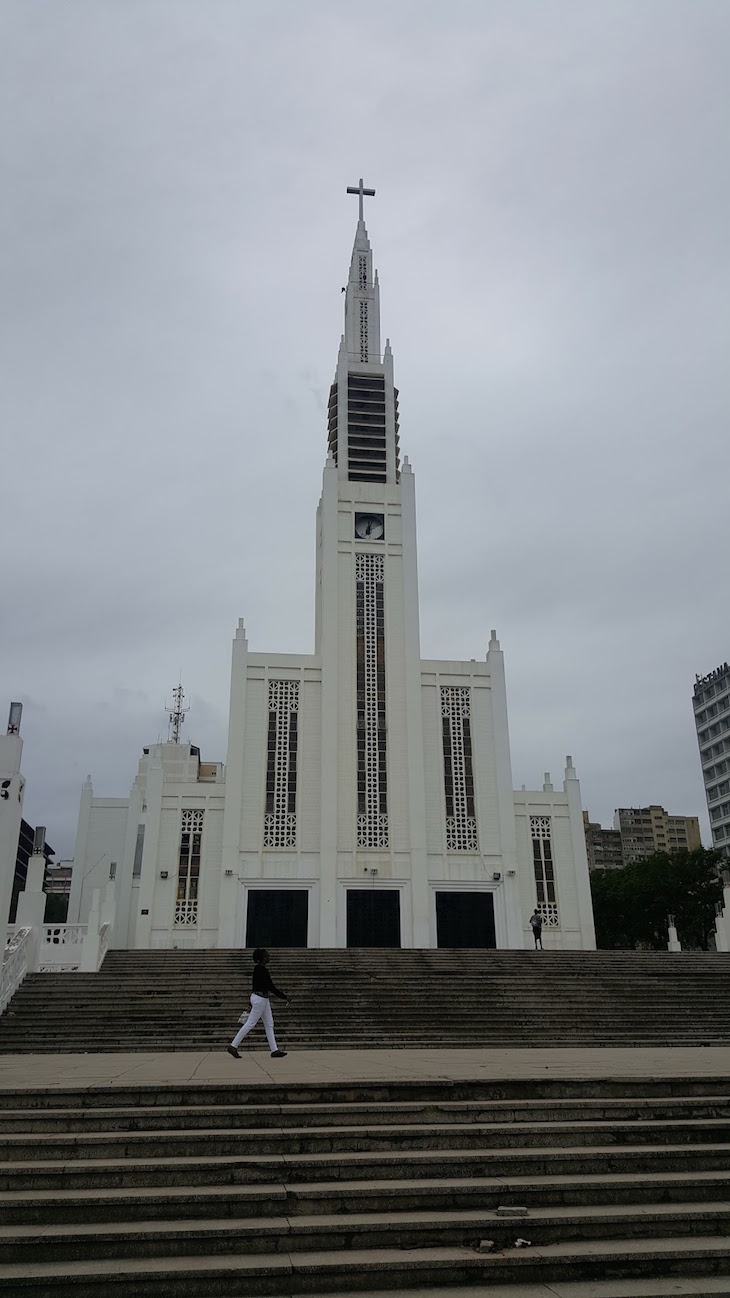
(63, 934)
(15, 965)
(104, 932)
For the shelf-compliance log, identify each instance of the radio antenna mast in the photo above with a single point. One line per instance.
(176, 714)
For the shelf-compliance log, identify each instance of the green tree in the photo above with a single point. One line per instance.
(630, 906)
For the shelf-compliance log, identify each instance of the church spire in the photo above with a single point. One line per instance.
(362, 295)
(363, 405)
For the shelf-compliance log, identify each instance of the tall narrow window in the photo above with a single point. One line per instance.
(461, 822)
(188, 875)
(372, 783)
(280, 817)
(542, 856)
(362, 271)
(138, 850)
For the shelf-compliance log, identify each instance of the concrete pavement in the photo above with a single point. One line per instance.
(256, 1065)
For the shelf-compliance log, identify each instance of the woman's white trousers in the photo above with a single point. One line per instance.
(260, 1009)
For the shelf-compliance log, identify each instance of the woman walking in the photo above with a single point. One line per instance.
(260, 1007)
(536, 925)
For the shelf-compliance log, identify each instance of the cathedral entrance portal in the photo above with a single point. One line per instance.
(465, 919)
(373, 917)
(276, 917)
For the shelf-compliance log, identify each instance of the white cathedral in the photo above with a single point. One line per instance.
(367, 798)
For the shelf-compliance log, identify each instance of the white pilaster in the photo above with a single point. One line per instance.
(150, 854)
(329, 652)
(89, 962)
(31, 911)
(230, 855)
(77, 872)
(505, 797)
(125, 890)
(421, 926)
(571, 787)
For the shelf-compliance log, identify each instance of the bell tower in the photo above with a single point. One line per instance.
(363, 402)
(373, 802)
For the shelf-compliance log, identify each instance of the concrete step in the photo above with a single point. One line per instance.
(403, 1164)
(262, 1116)
(104, 1204)
(348, 998)
(323, 1232)
(398, 1138)
(232, 1275)
(286, 1188)
(315, 1094)
(208, 1236)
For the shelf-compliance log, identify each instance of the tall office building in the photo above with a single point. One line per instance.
(646, 831)
(603, 846)
(712, 719)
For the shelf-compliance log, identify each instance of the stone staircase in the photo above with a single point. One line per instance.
(303, 1188)
(184, 1000)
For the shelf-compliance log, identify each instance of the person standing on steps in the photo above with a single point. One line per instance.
(260, 1007)
(536, 925)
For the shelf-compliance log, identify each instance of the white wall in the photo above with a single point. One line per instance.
(100, 840)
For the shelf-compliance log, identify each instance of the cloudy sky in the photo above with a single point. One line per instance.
(551, 228)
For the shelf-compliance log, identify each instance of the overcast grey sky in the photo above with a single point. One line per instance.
(551, 229)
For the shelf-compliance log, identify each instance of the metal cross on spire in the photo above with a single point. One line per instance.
(362, 193)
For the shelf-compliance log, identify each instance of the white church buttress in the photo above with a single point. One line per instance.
(372, 787)
(280, 819)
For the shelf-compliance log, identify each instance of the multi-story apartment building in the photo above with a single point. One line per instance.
(712, 719)
(646, 831)
(603, 846)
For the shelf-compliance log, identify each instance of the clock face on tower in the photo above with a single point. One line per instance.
(369, 527)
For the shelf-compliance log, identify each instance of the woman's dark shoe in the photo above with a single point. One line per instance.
(278, 1054)
(232, 1051)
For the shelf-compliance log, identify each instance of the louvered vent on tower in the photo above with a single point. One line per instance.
(332, 423)
(366, 428)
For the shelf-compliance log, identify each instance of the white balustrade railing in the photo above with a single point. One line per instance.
(15, 964)
(57, 948)
(60, 947)
(104, 932)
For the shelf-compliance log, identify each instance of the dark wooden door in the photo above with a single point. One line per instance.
(373, 917)
(465, 919)
(277, 917)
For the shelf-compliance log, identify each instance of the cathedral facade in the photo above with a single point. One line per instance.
(366, 798)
